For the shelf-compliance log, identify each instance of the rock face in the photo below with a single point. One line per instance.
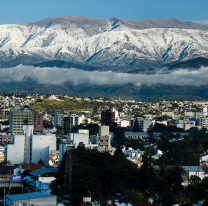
(103, 42)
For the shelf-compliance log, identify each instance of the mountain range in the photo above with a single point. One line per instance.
(92, 44)
(103, 42)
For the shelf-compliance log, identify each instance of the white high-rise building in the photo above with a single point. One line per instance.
(144, 123)
(73, 141)
(30, 148)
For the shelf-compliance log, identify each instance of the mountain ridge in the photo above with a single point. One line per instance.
(139, 24)
(103, 42)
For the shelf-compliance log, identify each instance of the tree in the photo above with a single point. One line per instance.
(119, 136)
(137, 127)
(41, 162)
(147, 173)
(101, 174)
(159, 128)
(187, 139)
(169, 184)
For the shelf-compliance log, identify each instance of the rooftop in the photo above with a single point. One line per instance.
(43, 171)
(32, 166)
(193, 168)
(136, 133)
(32, 195)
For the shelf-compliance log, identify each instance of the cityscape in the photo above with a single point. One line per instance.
(37, 143)
(104, 103)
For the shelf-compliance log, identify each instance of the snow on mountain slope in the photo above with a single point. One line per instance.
(103, 42)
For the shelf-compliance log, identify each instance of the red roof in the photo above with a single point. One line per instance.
(32, 167)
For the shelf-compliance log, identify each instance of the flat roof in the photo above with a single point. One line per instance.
(193, 168)
(186, 168)
(136, 133)
(43, 171)
(24, 196)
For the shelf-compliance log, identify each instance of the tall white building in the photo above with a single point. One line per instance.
(203, 122)
(144, 123)
(30, 148)
(73, 141)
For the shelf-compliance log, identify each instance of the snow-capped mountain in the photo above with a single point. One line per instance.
(103, 42)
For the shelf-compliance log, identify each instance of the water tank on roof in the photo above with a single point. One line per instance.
(86, 199)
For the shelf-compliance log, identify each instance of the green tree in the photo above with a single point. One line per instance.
(159, 128)
(101, 174)
(169, 184)
(147, 173)
(41, 162)
(137, 127)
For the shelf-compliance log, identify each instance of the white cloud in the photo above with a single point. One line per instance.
(59, 76)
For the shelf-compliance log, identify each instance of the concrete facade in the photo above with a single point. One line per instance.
(144, 123)
(15, 152)
(107, 117)
(77, 138)
(58, 119)
(203, 122)
(18, 117)
(103, 130)
(38, 122)
(37, 147)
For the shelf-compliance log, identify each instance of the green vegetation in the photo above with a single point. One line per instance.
(73, 106)
(98, 174)
(113, 91)
(101, 175)
(137, 127)
(163, 128)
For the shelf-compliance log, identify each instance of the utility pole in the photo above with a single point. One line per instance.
(68, 175)
(4, 196)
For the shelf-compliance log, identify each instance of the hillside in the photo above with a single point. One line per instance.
(126, 91)
(192, 63)
(64, 64)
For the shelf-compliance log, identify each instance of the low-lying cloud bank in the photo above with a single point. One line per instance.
(57, 76)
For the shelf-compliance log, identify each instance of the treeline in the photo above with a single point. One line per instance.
(99, 175)
(103, 176)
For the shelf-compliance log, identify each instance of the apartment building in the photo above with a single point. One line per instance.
(18, 117)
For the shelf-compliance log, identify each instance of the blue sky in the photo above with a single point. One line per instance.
(23, 11)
